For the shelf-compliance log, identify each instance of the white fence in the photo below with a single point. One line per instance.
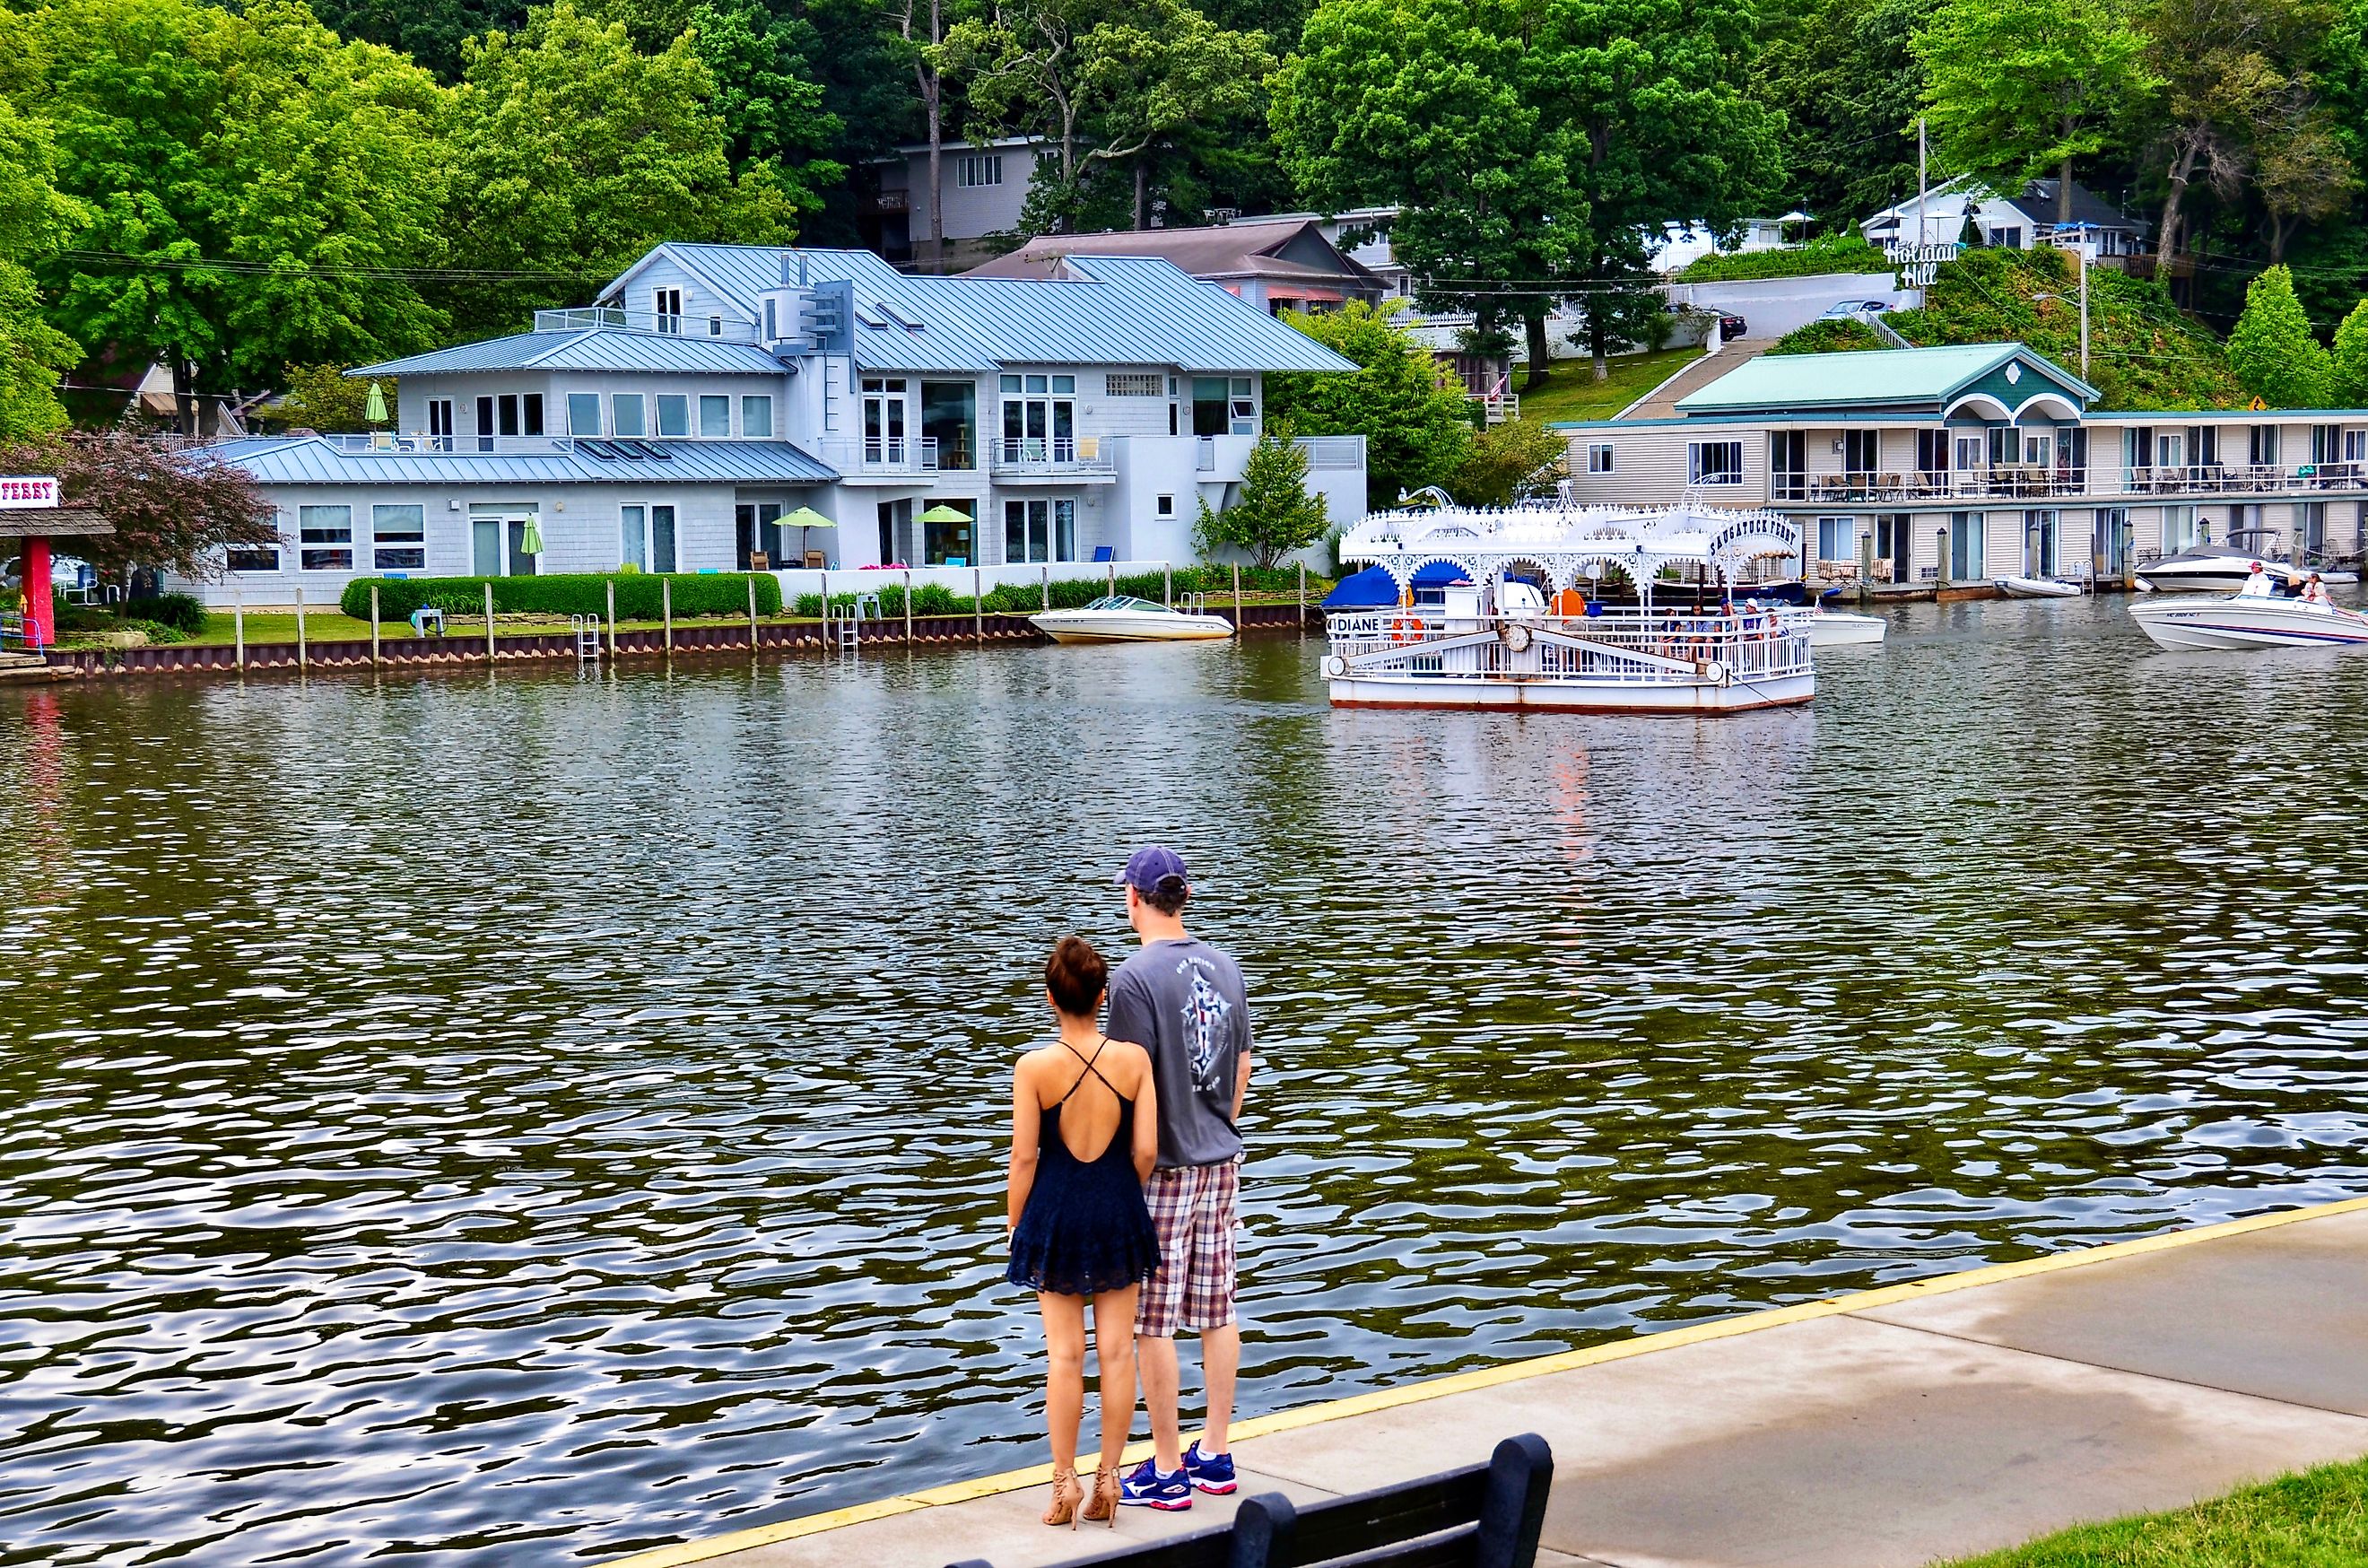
(964, 580)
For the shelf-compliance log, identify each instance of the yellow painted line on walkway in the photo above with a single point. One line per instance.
(1495, 1377)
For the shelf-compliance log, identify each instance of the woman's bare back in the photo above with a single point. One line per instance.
(1087, 1086)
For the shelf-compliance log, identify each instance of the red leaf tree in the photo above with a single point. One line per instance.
(174, 505)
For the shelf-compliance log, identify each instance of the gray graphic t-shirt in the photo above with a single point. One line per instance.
(1183, 1003)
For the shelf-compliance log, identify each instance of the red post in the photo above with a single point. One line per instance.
(41, 624)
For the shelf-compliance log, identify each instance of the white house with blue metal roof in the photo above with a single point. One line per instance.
(713, 391)
(1961, 464)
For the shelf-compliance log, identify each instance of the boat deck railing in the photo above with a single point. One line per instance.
(1651, 647)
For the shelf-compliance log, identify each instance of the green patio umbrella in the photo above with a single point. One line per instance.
(530, 538)
(802, 519)
(374, 406)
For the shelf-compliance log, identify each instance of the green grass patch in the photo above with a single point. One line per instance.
(2316, 1519)
(1827, 253)
(1572, 392)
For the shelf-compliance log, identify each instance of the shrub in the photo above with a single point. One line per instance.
(157, 633)
(1828, 338)
(183, 612)
(639, 594)
(1027, 598)
(1827, 253)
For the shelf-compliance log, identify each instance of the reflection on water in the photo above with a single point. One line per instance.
(516, 1119)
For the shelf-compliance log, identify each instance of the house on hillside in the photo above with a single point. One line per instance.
(1959, 464)
(1277, 263)
(712, 391)
(986, 185)
(1942, 215)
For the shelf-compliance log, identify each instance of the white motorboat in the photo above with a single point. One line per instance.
(1124, 619)
(2241, 622)
(1492, 644)
(2038, 588)
(1836, 628)
(2223, 568)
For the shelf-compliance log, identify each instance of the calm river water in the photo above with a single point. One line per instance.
(516, 1120)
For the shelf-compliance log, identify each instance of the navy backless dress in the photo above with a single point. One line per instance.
(1085, 1228)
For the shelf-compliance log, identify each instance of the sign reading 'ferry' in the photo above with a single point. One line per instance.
(20, 492)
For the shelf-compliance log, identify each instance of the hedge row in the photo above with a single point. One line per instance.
(638, 595)
(1026, 598)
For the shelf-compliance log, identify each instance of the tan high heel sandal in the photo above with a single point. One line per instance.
(1103, 1509)
(1067, 1491)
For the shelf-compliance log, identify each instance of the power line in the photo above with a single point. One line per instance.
(125, 261)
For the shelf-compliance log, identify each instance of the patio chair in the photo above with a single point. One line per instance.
(1891, 485)
(1103, 553)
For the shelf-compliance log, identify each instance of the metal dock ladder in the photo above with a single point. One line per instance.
(588, 638)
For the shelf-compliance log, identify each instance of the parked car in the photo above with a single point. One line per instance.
(1856, 310)
(1731, 327)
(69, 574)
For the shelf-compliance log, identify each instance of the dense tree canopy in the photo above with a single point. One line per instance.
(1415, 426)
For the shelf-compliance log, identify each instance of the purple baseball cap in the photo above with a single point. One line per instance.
(1147, 865)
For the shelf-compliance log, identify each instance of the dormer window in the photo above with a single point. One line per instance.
(667, 307)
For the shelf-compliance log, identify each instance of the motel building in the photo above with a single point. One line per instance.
(1940, 467)
(733, 408)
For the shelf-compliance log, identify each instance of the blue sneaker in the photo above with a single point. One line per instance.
(1213, 1473)
(1144, 1487)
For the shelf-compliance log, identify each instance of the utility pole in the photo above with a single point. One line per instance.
(2084, 305)
(1921, 238)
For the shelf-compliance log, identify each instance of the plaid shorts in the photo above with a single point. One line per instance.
(1192, 1207)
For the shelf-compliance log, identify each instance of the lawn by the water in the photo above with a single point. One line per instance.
(1572, 392)
(2316, 1519)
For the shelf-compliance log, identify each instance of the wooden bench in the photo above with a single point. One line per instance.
(1485, 1515)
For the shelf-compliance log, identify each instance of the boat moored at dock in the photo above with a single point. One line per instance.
(1523, 633)
(2246, 621)
(1124, 619)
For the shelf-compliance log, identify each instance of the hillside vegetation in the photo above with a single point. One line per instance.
(2143, 353)
(1827, 253)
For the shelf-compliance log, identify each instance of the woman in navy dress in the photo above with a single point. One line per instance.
(1085, 1132)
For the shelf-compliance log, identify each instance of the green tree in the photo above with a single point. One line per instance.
(2349, 364)
(769, 106)
(2272, 350)
(173, 505)
(574, 154)
(1275, 515)
(1518, 460)
(252, 188)
(1415, 420)
(1845, 78)
(32, 215)
(1438, 107)
(430, 31)
(324, 398)
(2021, 88)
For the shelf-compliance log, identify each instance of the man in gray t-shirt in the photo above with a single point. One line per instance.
(1182, 1001)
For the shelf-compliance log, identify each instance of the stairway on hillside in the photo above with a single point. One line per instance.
(1661, 403)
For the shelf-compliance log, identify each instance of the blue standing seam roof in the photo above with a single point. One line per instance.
(591, 348)
(1123, 311)
(308, 460)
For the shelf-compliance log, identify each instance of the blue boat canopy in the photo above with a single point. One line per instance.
(1439, 574)
(1369, 589)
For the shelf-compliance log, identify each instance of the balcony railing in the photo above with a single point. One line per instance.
(2217, 479)
(1914, 485)
(614, 318)
(386, 444)
(883, 454)
(1050, 455)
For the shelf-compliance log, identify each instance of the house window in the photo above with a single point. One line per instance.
(772, 321)
(2310, 527)
(2178, 529)
(1931, 452)
(1837, 539)
(1713, 463)
(399, 537)
(757, 417)
(633, 537)
(973, 170)
(1132, 385)
(439, 424)
(325, 539)
(666, 306)
(583, 414)
(2009, 238)
(715, 326)
(2038, 451)
(532, 402)
(1244, 408)
(250, 558)
(1209, 397)
(2112, 525)
(2262, 445)
(1861, 457)
(1040, 421)
(885, 412)
(1039, 530)
(2355, 446)
(1598, 457)
(2169, 450)
(714, 416)
(1788, 465)
(626, 411)
(674, 414)
(662, 539)
(1969, 453)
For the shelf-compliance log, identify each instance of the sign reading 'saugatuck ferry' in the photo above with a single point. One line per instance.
(20, 492)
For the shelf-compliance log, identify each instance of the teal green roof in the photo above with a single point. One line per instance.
(1889, 377)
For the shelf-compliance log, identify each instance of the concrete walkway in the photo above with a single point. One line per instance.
(1879, 1430)
(1661, 403)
